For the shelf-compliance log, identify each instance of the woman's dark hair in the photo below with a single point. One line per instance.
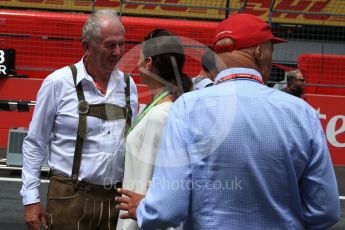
(208, 61)
(167, 57)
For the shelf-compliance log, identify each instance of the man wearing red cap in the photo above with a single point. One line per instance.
(240, 155)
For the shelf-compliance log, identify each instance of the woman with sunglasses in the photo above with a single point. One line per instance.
(160, 65)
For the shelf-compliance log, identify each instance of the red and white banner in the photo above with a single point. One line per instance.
(331, 110)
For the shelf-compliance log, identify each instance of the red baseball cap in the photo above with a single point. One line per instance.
(246, 30)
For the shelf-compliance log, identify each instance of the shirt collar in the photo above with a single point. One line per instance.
(230, 71)
(82, 73)
(115, 81)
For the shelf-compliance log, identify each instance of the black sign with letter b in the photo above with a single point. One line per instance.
(7, 62)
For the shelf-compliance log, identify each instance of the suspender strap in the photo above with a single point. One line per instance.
(81, 127)
(128, 104)
(107, 111)
(104, 111)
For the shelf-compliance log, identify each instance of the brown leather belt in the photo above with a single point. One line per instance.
(82, 185)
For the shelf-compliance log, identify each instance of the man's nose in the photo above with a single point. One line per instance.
(117, 50)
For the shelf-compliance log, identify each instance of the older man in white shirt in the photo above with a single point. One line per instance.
(82, 114)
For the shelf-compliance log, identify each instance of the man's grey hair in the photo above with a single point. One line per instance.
(292, 75)
(92, 27)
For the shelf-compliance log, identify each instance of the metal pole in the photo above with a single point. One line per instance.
(227, 8)
(122, 2)
(270, 12)
(177, 6)
(309, 13)
(93, 6)
(243, 8)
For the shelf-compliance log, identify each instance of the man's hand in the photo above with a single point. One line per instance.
(129, 203)
(34, 215)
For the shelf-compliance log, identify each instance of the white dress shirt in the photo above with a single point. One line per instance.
(54, 126)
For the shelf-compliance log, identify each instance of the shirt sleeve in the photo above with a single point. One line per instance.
(36, 142)
(167, 200)
(318, 186)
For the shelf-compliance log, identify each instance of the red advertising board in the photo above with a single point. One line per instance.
(286, 11)
(331, 110)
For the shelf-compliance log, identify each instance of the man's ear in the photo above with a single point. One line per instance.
(85, 44)
(259, 53)
(148, 63)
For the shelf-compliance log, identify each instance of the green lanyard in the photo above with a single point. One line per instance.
(148, 107)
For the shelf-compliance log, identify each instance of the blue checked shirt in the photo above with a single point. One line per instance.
(240, 155)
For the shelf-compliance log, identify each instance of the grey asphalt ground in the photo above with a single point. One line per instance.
(11, 208)
(11, 212)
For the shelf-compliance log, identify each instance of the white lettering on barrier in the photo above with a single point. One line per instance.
(2, 56)
(3, 69)
(2, 60)
(321, 116)
(331, 132)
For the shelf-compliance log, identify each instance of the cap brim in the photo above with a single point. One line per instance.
(278, 40)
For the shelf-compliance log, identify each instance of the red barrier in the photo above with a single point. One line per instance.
(45, 41)
(324, 70)
(331, 110)
(16, 89)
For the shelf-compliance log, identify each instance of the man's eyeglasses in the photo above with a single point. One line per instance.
(300, 79)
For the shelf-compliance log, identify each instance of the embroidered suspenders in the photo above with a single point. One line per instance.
(103, 111)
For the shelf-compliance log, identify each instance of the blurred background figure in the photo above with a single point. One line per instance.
(295, 83)
(208, 71)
